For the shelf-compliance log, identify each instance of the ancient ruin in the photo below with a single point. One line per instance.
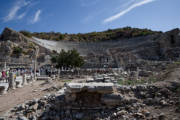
(117, 81)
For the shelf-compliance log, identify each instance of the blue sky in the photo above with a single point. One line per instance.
(82, 16)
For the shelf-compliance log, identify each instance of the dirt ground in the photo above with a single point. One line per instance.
(28, 92)
(170, 112)
(31, 91)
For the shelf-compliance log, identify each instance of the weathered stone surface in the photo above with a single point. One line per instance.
(126, 103)
(90, 87)
(3, 88)
(9, 34)
(19, 81)
(22, 118)
(24, 79)
(43, 78)
(112, 99)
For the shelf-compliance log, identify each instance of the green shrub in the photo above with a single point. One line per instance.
(26, 33)
(17, 51)
(61, 37)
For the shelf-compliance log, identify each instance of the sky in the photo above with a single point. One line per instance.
(82, 16)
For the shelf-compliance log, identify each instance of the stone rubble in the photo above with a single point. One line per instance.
(99, 101)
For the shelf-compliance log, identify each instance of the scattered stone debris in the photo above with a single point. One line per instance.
(100, 101)
(53, 88)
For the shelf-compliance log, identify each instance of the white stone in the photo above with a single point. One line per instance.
(19, 81)
(90, 87)
(4, 88)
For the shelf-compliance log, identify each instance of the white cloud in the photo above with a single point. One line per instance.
(112, 18)
(21, 15)
(36, 17)
(127, 3)
(12, 14)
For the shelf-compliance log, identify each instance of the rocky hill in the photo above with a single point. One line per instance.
(17, 48)
(121, 51)
(145, 43)
(119, 47)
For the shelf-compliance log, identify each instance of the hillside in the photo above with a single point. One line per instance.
(17, 48)
(110, 34)
(118, 51)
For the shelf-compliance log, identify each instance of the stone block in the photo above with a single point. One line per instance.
(111, 99)
(25, 79)
(103, 88)
(19, 81)
(3, 88)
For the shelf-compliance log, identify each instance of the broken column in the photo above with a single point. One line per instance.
(19, 81)
(12, 83)
(24, 79)
(34, 78)
(53, 77)
(137, 73)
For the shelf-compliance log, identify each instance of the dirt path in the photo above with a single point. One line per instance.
(20, 95)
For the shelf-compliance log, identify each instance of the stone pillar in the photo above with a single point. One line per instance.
(31, 79)
(53, 77)
(137, 73)
(12, 83)
(34, 79)
(59, 72)
(24, 80)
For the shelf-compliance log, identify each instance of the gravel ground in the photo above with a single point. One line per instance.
(28, 92)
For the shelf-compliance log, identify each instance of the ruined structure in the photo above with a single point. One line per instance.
(101, 101)
(116, 53)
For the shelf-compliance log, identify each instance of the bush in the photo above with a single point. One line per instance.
(26, 33)
(61, 37)
(17, 51)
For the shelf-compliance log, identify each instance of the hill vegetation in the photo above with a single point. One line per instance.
(111, 34)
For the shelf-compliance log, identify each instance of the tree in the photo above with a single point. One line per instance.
(54, 59)
(61, 37)
(69, 59)
(17, 51)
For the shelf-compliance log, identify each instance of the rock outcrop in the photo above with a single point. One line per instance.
(17, 47)
(9, 34)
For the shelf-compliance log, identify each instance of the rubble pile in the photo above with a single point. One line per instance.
(102, 101)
